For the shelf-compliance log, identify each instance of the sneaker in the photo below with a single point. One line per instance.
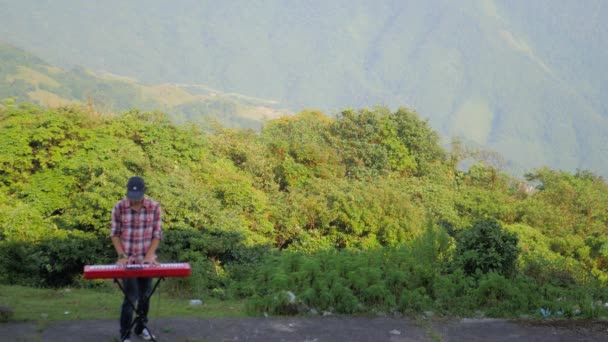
(145, 334)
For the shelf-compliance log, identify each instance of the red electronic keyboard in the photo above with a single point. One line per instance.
(137, 271)
(160, 271)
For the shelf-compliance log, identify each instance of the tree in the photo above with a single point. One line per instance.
(299, 149)
(370, 144)
(420, 139)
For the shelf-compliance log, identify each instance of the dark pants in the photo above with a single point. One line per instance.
(137, 290)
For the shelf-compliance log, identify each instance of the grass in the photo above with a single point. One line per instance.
(41, 304)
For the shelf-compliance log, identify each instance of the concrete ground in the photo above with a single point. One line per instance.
(315, 330)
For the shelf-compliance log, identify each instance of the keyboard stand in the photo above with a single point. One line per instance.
(138, 313)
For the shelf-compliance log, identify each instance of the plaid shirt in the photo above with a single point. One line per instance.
(136, 229)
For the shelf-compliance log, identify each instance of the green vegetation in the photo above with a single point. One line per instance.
(364, 213)
(45, 304)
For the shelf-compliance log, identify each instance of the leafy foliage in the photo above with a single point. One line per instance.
(54, 261)
(361, 213)
(486, 247)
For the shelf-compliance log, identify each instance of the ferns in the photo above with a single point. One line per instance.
(401, 279)
(343, 282)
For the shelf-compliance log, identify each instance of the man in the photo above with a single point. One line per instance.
(136, 233)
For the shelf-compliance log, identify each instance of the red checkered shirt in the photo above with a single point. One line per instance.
(136, 229)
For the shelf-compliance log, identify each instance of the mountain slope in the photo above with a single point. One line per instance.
(29, 78)
(527, 79)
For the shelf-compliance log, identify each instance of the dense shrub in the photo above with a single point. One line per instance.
(380, 280)
(217, 258)
(55, 261)
(501, 297)
(453, 293)
(6, 313)
(487, 247)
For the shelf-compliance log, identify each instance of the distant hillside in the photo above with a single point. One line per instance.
(29, 78)
(528, 79)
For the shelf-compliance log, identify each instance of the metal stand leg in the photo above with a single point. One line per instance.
(139, 314)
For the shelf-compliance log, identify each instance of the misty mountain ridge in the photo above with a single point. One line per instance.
(28, 78)
(526, 79)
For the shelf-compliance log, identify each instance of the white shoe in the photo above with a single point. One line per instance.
(145, 334)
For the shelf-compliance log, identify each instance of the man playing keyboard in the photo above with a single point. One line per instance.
(136, 232)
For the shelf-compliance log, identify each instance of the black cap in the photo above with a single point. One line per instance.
(136, 188)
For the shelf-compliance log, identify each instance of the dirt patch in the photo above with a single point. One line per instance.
(583, 327)
(317, 329)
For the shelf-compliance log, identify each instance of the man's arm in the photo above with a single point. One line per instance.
(119, 250)
(115, 232)
(157, 235)
(151, 253)
(117, 245)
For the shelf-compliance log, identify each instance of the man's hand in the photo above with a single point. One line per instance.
(122, 262)
(150, 260)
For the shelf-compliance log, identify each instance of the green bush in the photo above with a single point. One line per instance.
(6, 313)
(343, 300)
(17, 264)
(220, 260)
(453, 293)
(502, 297)
(575, 301)
(55, 261)
(415, 301)
(346, 281)
(487, 247)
